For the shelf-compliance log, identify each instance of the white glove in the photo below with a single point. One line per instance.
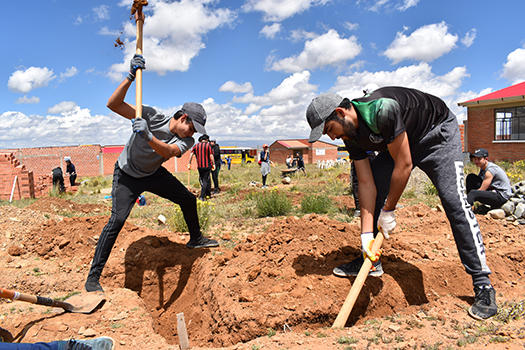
(367, 239)
(386, 222)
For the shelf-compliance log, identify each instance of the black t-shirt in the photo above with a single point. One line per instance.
(388, 112)
(57, 172)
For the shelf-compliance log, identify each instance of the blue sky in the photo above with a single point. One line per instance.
(255, 65)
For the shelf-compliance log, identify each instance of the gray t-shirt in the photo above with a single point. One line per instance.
(500, 181)
(138, 159)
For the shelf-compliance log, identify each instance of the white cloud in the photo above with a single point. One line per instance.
(270, 31)
(32, 78)
(279, 10)
(28, 100)
(387, 5)
(280, 113)
(407, 4)
(73, 127)
(425, 44)
(514, 68)
(298, 35)
(416, 76)
(65, 106)
(351, 26)
(172, 40)
(101, 12)
(70, 72)
(231, 86)
(469, 38)
(327, 49)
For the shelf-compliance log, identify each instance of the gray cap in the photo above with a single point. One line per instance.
(480, 153)
(197, 114)
(319, 109)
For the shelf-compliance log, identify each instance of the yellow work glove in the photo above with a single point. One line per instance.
(367, 240)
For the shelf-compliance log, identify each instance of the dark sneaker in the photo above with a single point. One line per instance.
(101, 343)
(484, 303)
(353, 267)
(92, 285)
(202, 242)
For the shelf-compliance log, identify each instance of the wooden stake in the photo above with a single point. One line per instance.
(183, 332)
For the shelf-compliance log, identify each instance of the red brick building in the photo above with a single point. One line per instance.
(496, 122)
(311, 152)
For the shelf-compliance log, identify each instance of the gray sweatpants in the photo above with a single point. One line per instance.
(439, 155)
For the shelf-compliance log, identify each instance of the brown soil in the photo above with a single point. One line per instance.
(269, 288)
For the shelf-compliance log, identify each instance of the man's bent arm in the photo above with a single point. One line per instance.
(116, 101)
(485, 185)
(400, 151)
(367, 194)
(163, 149)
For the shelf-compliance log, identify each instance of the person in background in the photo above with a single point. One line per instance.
(265, 164)
(300, 162)
(70, 169)
(289, 161)
(491, 186)
(205, 165)
(217, 159)
(407, 128)
(229, 162)
(58, 179)
(155, 139)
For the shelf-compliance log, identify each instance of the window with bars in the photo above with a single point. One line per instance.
(510, 123)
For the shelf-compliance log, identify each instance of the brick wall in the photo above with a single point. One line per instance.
(33, 166)
(320, 151)
(15, 178)
(480, 134)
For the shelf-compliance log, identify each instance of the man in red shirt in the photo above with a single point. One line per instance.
(205, 164)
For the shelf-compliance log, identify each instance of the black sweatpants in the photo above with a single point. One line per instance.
(215, 175)
(126, 189)
(205, 180)
(439, 155)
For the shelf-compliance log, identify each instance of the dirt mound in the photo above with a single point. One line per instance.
(280, 279)
(58, 205)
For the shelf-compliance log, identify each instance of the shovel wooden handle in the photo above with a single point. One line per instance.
(12, 295)
(348, 305)
(139, 19)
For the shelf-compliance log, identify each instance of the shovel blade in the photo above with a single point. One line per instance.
(85, 302)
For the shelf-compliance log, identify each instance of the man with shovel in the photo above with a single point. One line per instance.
(408, 128)
(155, 139)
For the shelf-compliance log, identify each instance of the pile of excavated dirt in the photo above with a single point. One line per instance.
(273, 281)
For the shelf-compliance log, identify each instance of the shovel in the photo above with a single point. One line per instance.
(83, 303)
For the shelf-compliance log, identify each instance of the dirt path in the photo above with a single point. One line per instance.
(272, 289)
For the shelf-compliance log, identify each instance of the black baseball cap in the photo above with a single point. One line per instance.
(197, 115)
(480, 153)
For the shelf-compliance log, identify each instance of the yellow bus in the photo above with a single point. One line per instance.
(236, 154)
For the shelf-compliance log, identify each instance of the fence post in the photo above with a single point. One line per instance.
(101, 164)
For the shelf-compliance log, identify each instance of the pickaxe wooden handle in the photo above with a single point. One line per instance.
(139, 19)
(348, 305)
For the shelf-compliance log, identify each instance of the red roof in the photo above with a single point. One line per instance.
(511, 91)
(292, 144)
